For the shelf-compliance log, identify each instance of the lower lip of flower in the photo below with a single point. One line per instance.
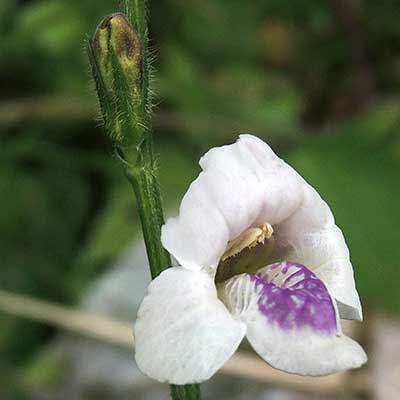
(247, 253)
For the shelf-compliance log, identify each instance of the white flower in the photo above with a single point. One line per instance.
(260, 256)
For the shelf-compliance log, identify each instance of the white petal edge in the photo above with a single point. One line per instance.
(184, 333)
(339, 278)
(302, 352)
(310, 237)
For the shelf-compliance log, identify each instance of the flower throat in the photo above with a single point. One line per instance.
(247, 253)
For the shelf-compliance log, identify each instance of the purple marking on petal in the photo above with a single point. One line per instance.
(295, 298)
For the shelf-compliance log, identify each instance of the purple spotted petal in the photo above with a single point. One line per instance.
(291, 296)
(291, 320)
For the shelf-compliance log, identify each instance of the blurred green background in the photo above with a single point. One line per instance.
(318, 80)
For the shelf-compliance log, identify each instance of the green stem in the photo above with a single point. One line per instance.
(143, 179)
(186, 392)
(119, 57)
(145, 186)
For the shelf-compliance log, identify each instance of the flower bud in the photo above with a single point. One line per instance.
(116, 59)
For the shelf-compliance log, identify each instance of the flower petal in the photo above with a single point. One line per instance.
(184, 333)
(292, 321)
(245, 185)
(338, 276)
(310, 237)
(242, 185)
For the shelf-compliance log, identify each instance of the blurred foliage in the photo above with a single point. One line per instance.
(318, 80)
(361, 182)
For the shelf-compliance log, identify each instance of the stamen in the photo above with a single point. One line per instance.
(249, 238)
(249, 252)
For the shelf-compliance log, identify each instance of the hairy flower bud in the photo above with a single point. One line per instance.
(115, 37)
(116, 59)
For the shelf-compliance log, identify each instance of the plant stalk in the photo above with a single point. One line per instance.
(121, 68)
(186, 392)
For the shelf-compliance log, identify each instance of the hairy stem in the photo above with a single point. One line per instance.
(119, 58)
(143, 178)
(145, 185)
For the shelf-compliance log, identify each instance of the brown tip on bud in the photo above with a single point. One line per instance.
(116, 32)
